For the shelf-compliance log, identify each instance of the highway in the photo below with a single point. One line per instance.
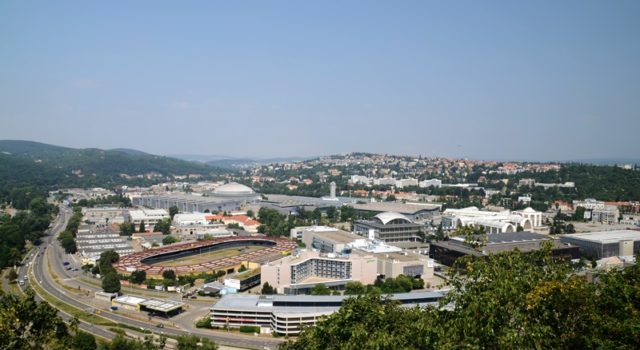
(34, 258)
(51, 256)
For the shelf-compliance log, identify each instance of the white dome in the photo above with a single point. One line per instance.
(388, 216)
(233, 189)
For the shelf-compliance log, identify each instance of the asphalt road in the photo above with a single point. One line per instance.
(32, 259)
(52, 254)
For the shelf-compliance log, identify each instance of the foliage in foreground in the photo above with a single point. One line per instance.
(27, 324)
(510, 301)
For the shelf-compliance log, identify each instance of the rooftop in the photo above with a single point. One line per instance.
(400, 256)
(402, 208)
(607, 236)
(162, 305)
(389, 216)
(338, 236)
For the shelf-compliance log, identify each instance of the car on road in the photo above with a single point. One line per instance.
(21, 282)
(160, 325)
(65, 263)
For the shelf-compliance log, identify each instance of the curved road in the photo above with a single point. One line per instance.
(53, 256)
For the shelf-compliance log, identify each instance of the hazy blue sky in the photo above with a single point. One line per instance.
(478, 79)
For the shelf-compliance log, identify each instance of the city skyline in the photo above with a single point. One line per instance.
(492, 81)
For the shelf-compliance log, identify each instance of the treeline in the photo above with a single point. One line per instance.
(32, 169)
(67, 238)
(510, 300)
(608, 183)
(118, 199)
(25, 226)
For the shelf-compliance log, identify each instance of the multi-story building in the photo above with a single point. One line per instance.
(492, 222)
(286, 315)
(328, 239)
(104, 215)
(389, 227)
(430, 183)
(149, 216)
(299, 273)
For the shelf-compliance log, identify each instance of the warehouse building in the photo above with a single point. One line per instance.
(447, 252)
(606, 243)
(227, 197)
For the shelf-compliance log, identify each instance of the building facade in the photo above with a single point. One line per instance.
(389, 227)
(287, 315)
(606, 243)
(299, 273)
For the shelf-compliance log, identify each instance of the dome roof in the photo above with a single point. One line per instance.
(529, 210)
(389, 216)
(233, 189)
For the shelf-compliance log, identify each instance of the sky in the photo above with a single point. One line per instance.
(539, 80)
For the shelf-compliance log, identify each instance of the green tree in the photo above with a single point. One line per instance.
(251, 214)
(26, 324)
(111, 283)
(320, 289)
(173, 210)
(267, 289)
(126, 229)
(106, 260)
(242, 268)
(67, 242)
(142, 227)
(169, 275)
(138, 276)
(440, 236)
(192, 342)
(12, 275)
(169, 240)
(84, 341)
(163, 226)
(354, 288)
(578, 214)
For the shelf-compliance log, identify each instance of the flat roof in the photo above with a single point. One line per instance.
(162, 305)
(256, 302)
(606, 236)
(337, 236)
(129, 299)
(511, 237)
(400, 256)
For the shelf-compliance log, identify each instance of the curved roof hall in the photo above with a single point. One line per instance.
(389, 216)
(233, 188)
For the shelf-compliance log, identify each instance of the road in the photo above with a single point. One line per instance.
(34, 259)
(51, 256)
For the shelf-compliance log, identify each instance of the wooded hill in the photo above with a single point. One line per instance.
(27, 166)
